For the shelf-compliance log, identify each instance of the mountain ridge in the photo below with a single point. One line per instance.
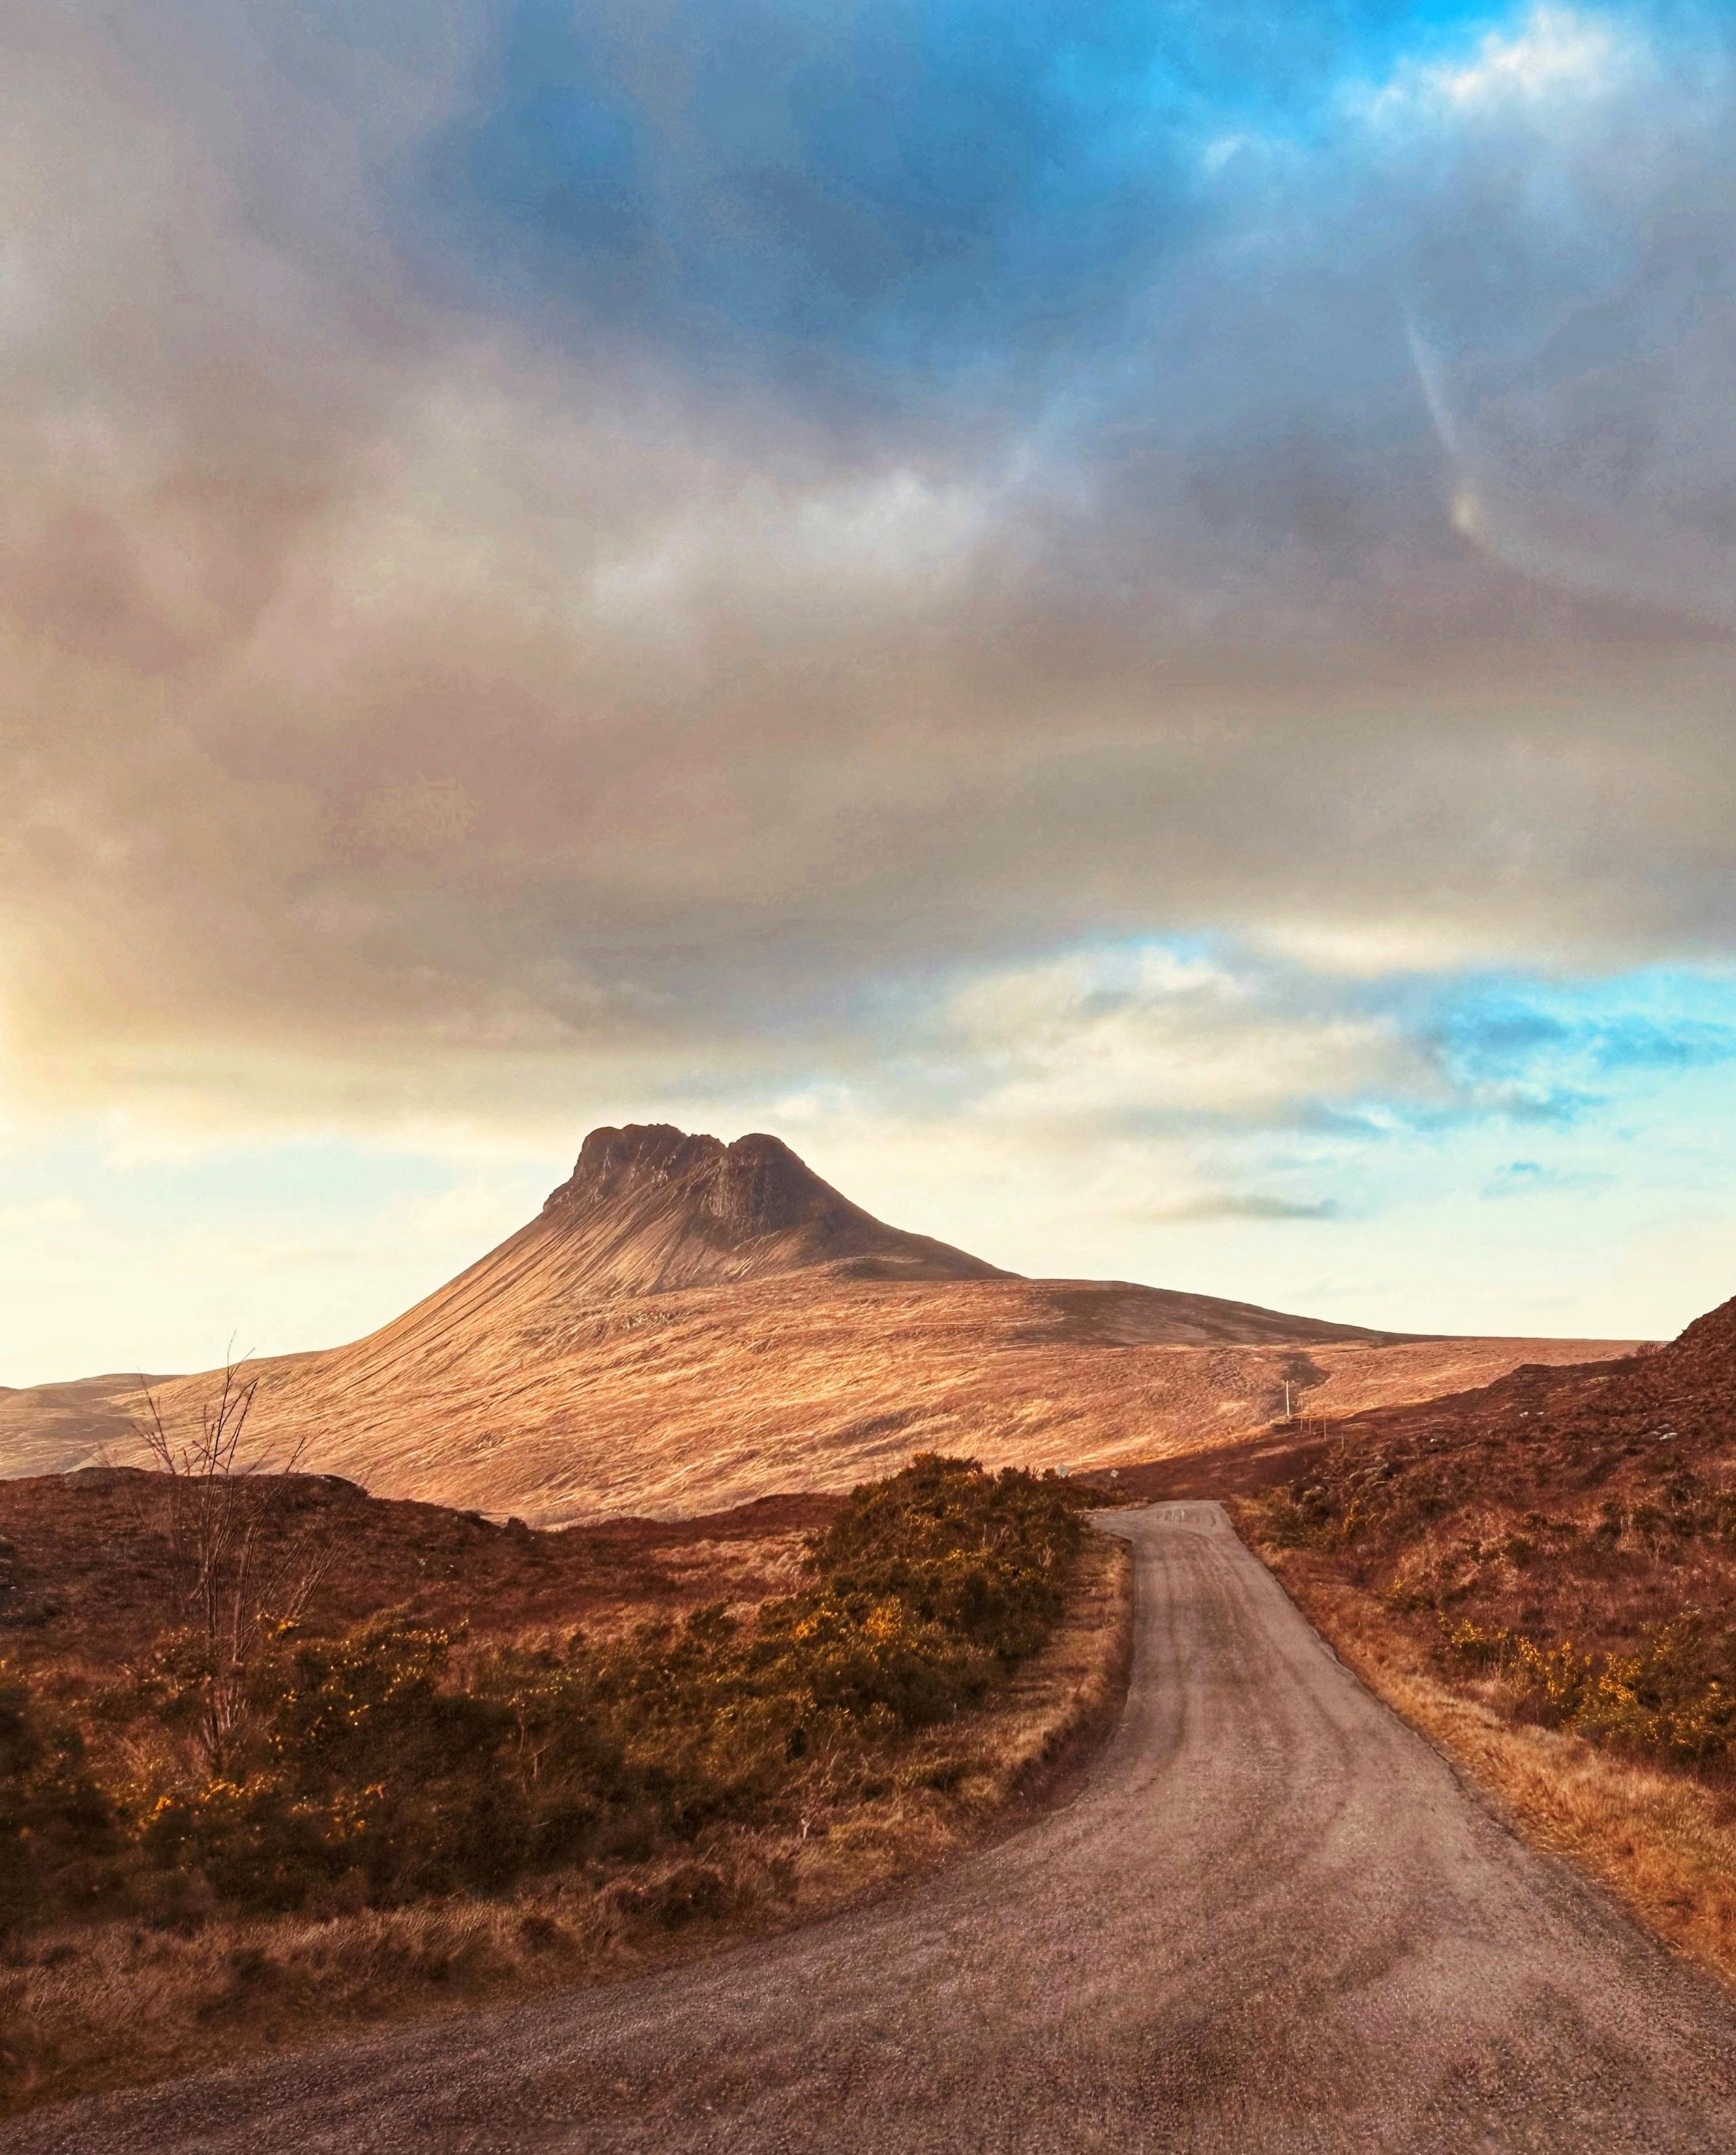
(687, 1325)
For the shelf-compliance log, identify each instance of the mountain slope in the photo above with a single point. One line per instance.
(1552, 1428)
(649, 1208)
(649, 1211)
(47, 1429)
(688, 1325)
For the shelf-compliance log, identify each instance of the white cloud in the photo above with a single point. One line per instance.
(1558, 57)
(1087, 1038)
(1560, 52)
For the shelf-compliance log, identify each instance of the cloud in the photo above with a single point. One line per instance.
(1236, 1204)
(1553, 58)
(1566, 340)
(1527, 1177)
(1141, 1037)
(555, 558)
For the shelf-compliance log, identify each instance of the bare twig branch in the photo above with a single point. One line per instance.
(241, 1567)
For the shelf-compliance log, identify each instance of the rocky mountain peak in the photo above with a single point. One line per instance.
(680, 1207)
(754, 1185)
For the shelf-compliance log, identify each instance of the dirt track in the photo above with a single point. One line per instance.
(1272, 1920)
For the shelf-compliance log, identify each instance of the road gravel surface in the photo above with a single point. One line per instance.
(1272, 1919)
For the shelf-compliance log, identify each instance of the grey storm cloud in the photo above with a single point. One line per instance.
(468, 620)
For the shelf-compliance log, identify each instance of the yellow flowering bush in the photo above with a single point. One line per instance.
(395, 1760)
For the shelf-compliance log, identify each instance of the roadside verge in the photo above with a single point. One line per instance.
(1664, 1845)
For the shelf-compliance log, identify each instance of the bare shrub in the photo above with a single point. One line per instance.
(243, 1565)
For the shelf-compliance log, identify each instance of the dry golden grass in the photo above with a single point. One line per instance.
(1663, 1843)
(509, 1392)
(88, 2008)
(45, 1429)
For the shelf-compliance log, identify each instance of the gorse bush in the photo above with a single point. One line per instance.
(396, 1760)
(983, 1558)
(1672, 1698)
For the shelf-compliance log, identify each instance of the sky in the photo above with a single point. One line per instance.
(1115, 619)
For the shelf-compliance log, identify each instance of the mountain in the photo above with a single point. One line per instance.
(688, 1325)
(649, 1208)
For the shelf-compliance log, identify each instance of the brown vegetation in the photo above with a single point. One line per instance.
(408, 1816)
(688, 1326)
(86, 1569)
(1542, 1574)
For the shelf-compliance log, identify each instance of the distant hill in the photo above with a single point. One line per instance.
(45, 1428)
(688, 1325)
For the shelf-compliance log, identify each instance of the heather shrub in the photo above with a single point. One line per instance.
(395, 1760)
(1313, 1517)
(57, 1826)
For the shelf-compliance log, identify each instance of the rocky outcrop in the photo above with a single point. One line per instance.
(665, 1208)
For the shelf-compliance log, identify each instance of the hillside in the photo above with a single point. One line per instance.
(87, 1577)
(688, 1325)
(1571, 1530)
(47, 1428)
(1541, 1430)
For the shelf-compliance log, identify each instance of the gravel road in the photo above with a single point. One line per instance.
(1271, 1920)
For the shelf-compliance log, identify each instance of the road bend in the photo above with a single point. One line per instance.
(1273, 1919)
